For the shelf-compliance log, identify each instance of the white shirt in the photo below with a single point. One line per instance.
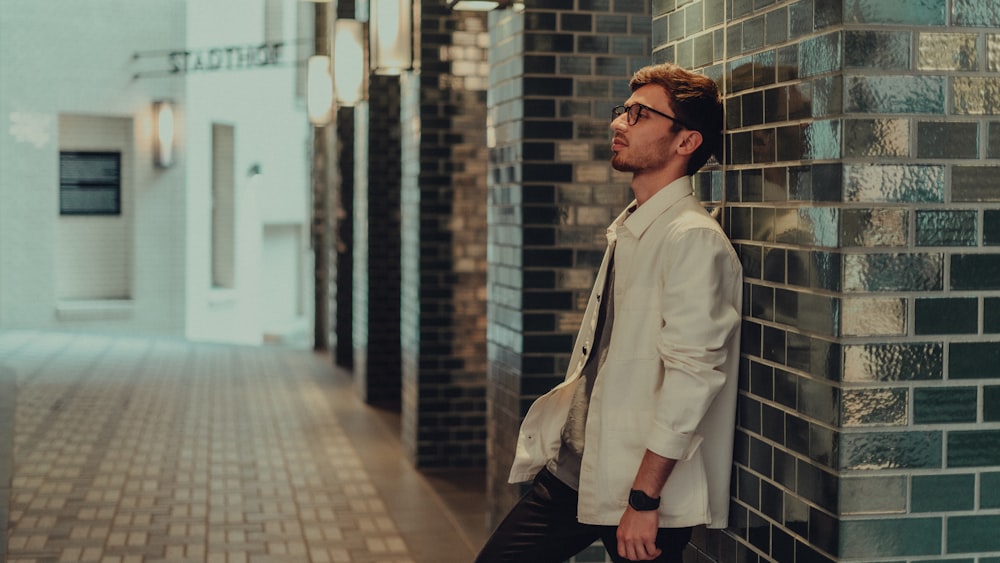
(669, 382)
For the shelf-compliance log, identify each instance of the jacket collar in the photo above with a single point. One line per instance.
(637, 218)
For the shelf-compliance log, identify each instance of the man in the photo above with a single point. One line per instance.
(635, 446)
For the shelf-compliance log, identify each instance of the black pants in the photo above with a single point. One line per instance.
(542, 528)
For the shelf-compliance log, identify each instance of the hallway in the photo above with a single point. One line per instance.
(131, 449)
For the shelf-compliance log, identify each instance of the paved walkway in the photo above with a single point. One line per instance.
(131, 449)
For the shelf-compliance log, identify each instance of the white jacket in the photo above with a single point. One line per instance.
(669, 382)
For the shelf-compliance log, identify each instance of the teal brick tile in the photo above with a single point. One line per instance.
(913, 12)
(975, 183)
(819, 226)
(947, 51)
(884, 50)
(893, 272)
(896, 94)
(991, 227)
(991, 315)
(957, 315)
(989, 490)
(976, 13)
(890, 537)
(776, 26)
(869, 407)
(993, 138)
(827, 97)
(874, 227)
(894, 183)
(891, 450)
(820, 55)
(976, 95)
(973, 534)
(974, 448)
(947, 228)
(975, 271)
(800, 18)
(942, 406)
(943, 493)
(872, 495)
(947, 140)
(894, 362)
(876, 137)
(974, 360)
(828, 14)
(822, 140)
(991, 403)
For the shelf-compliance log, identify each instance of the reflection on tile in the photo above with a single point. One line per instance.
(976, 95)
(894, 183)
(827, 97)
(915, 12)
(892, 450)
(822, 140)
(976, 13)
(819, 400)
(819, 226)
(890, 538)
(873, 495)
(820, 55)
(896, 94)
(876, 137)
(873, 227)
(893, 272)
(874, 407)
(884, 50)
(946, 228)
(894, 362)
(874, 316)
(993, 53)
(947, 51)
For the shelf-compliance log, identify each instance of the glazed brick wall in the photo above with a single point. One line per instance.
(862, 192)
(377, 271)
(556, 70)
(444, 242)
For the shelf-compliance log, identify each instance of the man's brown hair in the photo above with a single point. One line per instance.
(695, 100)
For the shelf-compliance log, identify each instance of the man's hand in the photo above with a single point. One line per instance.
(637, 535)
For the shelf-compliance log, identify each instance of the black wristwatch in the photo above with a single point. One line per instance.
(642, 502)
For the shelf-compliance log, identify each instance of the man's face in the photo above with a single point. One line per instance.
(647, 144)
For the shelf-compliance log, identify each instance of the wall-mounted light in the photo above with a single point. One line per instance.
(390, 26)
(484, 5)
(163, 133)
(350, 68)
(319, 89)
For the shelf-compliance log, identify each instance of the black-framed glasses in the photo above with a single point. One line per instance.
(634, 111)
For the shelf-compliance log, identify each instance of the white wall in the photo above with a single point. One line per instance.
(75, 59)
(271, 131)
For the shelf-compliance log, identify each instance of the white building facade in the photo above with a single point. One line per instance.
(95, 232)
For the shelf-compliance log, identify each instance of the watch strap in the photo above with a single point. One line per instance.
(642, 502)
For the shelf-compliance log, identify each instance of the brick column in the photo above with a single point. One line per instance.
(377, 275)
(444, 242)
(557, 69)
